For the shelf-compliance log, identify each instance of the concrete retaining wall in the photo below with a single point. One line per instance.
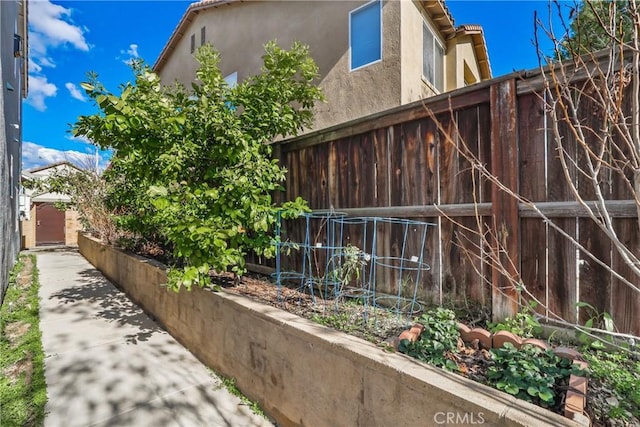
(306, 374)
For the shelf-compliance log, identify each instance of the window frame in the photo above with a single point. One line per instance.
(426, 26)
(231, 79)
(353, 12)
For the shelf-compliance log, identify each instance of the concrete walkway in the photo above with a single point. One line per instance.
(109, 364)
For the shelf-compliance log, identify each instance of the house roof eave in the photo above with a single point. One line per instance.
(479, 47)
(440, 15)
(187, 18)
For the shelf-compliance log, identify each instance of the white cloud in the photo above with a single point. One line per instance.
(39, 90)
(132, 52)
(50, 27)
(34, 68)
(80, 138)
(35, 155)
(75, 92)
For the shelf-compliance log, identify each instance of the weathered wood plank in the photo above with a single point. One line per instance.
(381, 168)
(562, 282)
(342, 172)
(423, 211)
(367, 178)
(462, 275)
(625, 302)
(356, 173)
(594, 280)
(448, 172)
(332, 175)
(616, 209)
(532, 149)
(396, 153)
(414, 164)
(484, 149)
(293, 176)
(467, 189)
(533, 261)
(320, 156)
(505, 208)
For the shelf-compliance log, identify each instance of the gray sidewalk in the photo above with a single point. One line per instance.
(109, 364)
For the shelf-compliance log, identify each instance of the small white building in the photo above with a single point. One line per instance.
(42, 223)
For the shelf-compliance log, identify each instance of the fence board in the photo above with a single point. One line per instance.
(413, 170)
(595, 280)
(562, 292)
(381, 168)
(505, 208)
(625, 302)
(532, 148)
(484, 143)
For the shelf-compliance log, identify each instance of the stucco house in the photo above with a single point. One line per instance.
(13, 72)
(42, 222)
(372, 55)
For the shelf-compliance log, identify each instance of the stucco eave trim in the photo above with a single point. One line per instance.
(180, 30)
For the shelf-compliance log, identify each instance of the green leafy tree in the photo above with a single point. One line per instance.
(193, 167)
(87, 191)
(596, 25)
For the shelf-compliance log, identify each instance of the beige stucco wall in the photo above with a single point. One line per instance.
(71, 227)
(28, 230)
(240, 29)
(414, 87)
(302, 373)
(460, 52)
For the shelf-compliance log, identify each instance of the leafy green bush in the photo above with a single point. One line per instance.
(619, 373)
(529, 373)
(439, 338)
(193, 167)
(524, 323)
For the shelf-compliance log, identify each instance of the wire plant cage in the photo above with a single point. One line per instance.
(332, 258)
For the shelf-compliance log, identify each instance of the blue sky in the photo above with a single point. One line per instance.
(69, 38)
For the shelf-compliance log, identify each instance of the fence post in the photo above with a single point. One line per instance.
(504, 210)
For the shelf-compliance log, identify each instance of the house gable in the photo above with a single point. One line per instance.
(324, 26)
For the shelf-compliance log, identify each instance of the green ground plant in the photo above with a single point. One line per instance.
(439, 338)
(619, 374)
(23, 392)
(524, 323)
(530, 373)
(230, 385)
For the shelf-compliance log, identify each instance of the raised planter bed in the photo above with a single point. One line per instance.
(576, 396)
(303, 373)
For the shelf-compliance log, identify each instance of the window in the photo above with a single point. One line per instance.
(469, 78)
(202, 35)
(232, 79)
(17, 46)
(432, 59)
(193, 43)
(365, 34)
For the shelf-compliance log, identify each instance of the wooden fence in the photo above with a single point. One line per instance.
(399, 164)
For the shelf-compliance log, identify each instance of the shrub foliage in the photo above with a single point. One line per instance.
(192, 167)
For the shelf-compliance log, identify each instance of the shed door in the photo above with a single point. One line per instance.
(49, 225)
